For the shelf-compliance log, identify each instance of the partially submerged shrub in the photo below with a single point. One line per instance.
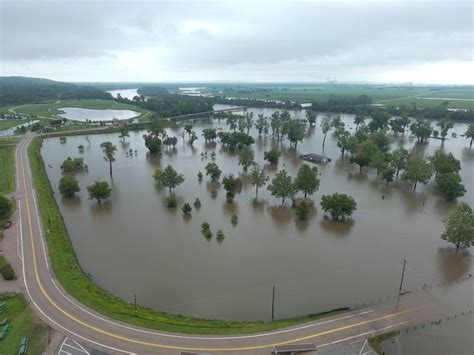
(234, 219)
(171, 201)
(197, 203)
(220, 236)
(186, 209)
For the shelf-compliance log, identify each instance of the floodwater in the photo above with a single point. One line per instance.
(84, 114)
(125, 93)
(11, 131)
(134, 244)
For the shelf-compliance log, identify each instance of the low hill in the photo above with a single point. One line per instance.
(16, 90)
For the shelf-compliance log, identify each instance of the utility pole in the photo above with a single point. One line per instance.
(401, 281)
(135, 301)
(273, 303)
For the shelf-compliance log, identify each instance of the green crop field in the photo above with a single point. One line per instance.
(51, 110)
(424, 96)
(431, 101)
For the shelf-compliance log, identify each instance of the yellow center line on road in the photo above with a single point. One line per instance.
(165, 346)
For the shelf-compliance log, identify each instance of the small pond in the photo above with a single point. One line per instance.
(86, 114)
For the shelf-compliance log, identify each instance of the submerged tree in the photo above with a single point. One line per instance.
(460, 227)
(231, 185)
(378, 161)
(72, 165)
(325, 127)
(109, 153)
(186, 209)
(246, 157)
(124, 134)
(421, 129)
(398, 159)
(311, 117)
(259, 178)
(339, 206)
(444, 163)
(364, 153)
(450, 185)
(417, 170)
(444, 126)
(387, 174)
(261, 125)
(152, 139)
(209, 134)
(272, 156)
(302, 210)
(358, 120)
(470, 134)
(99, 191)
(307, 180)
(68, 186)
(213, 171)
(296, 131)
(168, 178)
(282, 186)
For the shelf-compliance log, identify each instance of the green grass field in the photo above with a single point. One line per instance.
(71, 277)
(385, 95)
(51, 110)
(432, 101)
(24, 323)
(7, 164)
(6, 124)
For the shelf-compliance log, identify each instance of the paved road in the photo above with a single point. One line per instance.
(93, 330)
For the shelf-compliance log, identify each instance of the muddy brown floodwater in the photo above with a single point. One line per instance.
(134, 244)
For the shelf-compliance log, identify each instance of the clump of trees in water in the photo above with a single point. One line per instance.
(99, 190)
(168, 178)
(460, 227)
(339, 206)
(71, 165)
(68, 186)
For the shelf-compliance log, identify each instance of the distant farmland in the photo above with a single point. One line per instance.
(423, 96)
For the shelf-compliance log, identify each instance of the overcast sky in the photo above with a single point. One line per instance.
(253, 41)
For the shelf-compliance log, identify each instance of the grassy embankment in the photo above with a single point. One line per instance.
(24, 323)
(7, 164)
(376, 341)
(70, 275)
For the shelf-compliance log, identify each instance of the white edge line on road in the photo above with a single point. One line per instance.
(363, 347)
(49, 318)
(40, 226)
(18, 232)
(209, 338)
(361, 334)
(79, 345)
(73, 347)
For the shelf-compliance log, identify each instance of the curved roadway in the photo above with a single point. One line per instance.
(73, 319)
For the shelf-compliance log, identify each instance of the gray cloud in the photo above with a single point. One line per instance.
(234, 40)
